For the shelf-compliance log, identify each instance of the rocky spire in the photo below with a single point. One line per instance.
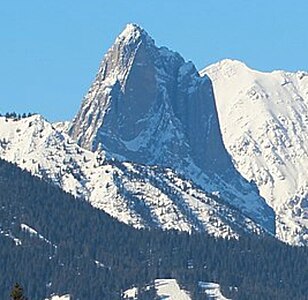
(148, 106)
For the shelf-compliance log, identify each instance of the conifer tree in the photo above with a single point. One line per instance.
(17, 292)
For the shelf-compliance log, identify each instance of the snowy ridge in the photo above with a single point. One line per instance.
(61, 126)
(138, 195)
(264, 121)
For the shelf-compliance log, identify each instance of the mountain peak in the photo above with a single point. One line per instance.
(225, 64)
(132, 27)
(232, 62)
(132, 33)
(148, 106)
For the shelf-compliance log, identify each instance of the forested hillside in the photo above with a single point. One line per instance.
(51, 242)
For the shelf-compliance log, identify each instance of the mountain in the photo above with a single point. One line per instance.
(146, 149)
(139, 195)
(150, 107)
(55, 244)
(264, 122)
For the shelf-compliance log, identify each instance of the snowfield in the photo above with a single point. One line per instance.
(264, 122)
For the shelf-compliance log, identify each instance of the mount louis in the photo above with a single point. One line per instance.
(146, 147)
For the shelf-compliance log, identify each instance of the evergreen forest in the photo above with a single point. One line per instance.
(51, 242)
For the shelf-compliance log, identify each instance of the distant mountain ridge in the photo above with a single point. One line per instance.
(139, 195)
(264, 123)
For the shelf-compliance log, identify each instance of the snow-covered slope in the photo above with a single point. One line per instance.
(62, 126)
(143, 196)
(148, 106)
(169, 289)
(264, 122)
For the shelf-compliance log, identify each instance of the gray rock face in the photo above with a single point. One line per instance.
(150, 106)
(147, 105)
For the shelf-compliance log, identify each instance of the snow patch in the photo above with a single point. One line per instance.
(56, 297)
(33, 232)
(211, 290)
(169, 289)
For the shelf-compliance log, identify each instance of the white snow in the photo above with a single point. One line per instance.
(7, 233)
(169, 289)
(131, 293)
(132, 32)
(56, 297)
(264, 121)
(99, 264)
(27, 228)
(211, 290)
(61, 126)
(33, 232)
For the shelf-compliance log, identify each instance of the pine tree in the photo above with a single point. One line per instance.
(17, 292)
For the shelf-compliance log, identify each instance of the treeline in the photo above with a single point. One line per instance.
(86, 253)
(16, 116)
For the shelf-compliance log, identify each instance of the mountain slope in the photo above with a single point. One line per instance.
(264, 121)
(139, 195)
(148, 106)
(65, 246)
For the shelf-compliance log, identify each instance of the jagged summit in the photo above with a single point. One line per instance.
(146, 101)
(131, 29)
(133, 33)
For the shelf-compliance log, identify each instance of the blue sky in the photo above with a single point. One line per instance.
(50, 49)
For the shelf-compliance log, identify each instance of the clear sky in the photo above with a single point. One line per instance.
(50, 49)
